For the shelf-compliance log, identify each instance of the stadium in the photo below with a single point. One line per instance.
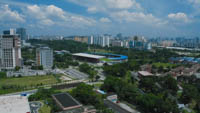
(100, 57)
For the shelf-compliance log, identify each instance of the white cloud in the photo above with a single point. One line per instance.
(92, 9)
(195, 3)
(135, 17)
(6, 14)
(104, 20)
(94, 6)
(121, 4)
(53, 15)
(179, 17)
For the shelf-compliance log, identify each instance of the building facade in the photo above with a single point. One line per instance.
(81, 39)
(10, 50)
(44, 57)
(102, 40)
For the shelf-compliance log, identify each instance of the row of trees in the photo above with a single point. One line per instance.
(68, 45)
(64, 61)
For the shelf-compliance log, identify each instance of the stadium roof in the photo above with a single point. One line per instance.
(14, 104)
(88, 55)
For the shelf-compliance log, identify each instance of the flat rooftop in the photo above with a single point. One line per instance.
(145, 73)
(14, 104)
(66, 100)
(88, 55)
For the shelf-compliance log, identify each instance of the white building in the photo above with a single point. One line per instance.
(117, 43)
(102, 40)
(44, 57)
(90, 40)
(10, 50)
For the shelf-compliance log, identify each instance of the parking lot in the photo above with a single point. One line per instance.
(76, 74)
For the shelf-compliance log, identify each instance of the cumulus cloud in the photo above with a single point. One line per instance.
(179, 17)
(135, 17)
(92, 9)
(53, 15)
(122, 4)
(6, 14)
(104, 20)
(107, 5)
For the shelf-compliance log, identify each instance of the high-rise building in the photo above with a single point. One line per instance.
(44, 57)
(22, 33)
(10, 50)
(102, 40)
(90, 40)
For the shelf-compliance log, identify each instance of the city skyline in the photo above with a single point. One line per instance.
(151, 18)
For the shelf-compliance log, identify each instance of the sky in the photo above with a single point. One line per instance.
(149, 18)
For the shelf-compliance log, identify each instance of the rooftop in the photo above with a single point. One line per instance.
(66, 100)
(14, 104)
(88, 55)
(145, 73)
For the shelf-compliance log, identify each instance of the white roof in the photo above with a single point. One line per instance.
(88, 55)
(14, 104)
(145, 73)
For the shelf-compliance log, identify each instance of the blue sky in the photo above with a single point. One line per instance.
(149, 18)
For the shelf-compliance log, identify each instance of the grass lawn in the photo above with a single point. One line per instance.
(29, 81)
(106, 59)
(164, 65)
(45, 109)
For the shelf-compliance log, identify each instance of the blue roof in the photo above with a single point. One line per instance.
(115, 56)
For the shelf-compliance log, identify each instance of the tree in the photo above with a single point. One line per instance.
(85, 94)
(118, 70)
(3, 75)
(85, 68)
(171, 84)
(17, 68)
(88, 70)
(189, 92)
(97, 77)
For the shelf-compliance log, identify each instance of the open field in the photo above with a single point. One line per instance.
(11, 85)
(29, 81)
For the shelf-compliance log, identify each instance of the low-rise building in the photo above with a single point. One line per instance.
(68, 104)
(144, 73)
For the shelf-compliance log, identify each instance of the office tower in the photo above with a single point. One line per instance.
(44, 57)
(10, 50)
(22, 33)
